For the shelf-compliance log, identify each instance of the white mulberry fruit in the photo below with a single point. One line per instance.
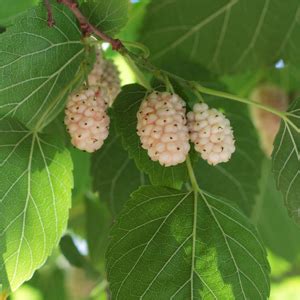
(105, 75)
(111, 80)
(211, 133)
(97, 71)
(86, 118)
(162, 128)
(267, 123)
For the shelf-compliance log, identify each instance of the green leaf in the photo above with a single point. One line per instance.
(115, 175)
(183, 246)
(81, 173)
(137, 11)
(35, 184)
(50, 281)
(125, 109)
(238, 179)
(39, 65)
(286, 162)
(223, 35)
(275, 226)
(71, 253)
(108, 15)
(9, 10)
(98, 223)
(287, 77)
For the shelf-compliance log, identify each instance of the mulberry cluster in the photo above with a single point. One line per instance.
(86, 118)
(211, 133)
(162, 128)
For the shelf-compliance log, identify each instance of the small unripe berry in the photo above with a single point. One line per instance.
(97, 71)
(86, 118)
(111, 80)
(162, 128)
(105, 74)
(267, 123)
(211, 133)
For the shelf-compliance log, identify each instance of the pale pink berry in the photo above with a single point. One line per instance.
(105, 74)
(111, 80)
(211, 134)
(162, 128)
(97, 71)
(86, 118)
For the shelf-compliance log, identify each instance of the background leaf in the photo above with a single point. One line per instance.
(51, 282)
(108, 15)
(81, 173)
(270, 216)
(125, 109)
(223, 35)
(137, 11)
(179, 246)
(35, 197)
(98, 223)
(10, 9)
(115, 175)
(71, 253)
(286, 162)
(39, 65)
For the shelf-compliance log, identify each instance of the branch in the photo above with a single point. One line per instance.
(51, 21)
(87, 28)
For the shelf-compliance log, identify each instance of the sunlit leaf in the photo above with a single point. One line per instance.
(35, 197)
(39, 65)
(185, 246)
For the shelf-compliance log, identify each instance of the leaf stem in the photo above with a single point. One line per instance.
(50, 19)
(143, 48)
(99, 288)
(225, 95)
(192, 176)
(168, 84)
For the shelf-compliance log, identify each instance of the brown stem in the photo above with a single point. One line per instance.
(87, 28)
(50, 21)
